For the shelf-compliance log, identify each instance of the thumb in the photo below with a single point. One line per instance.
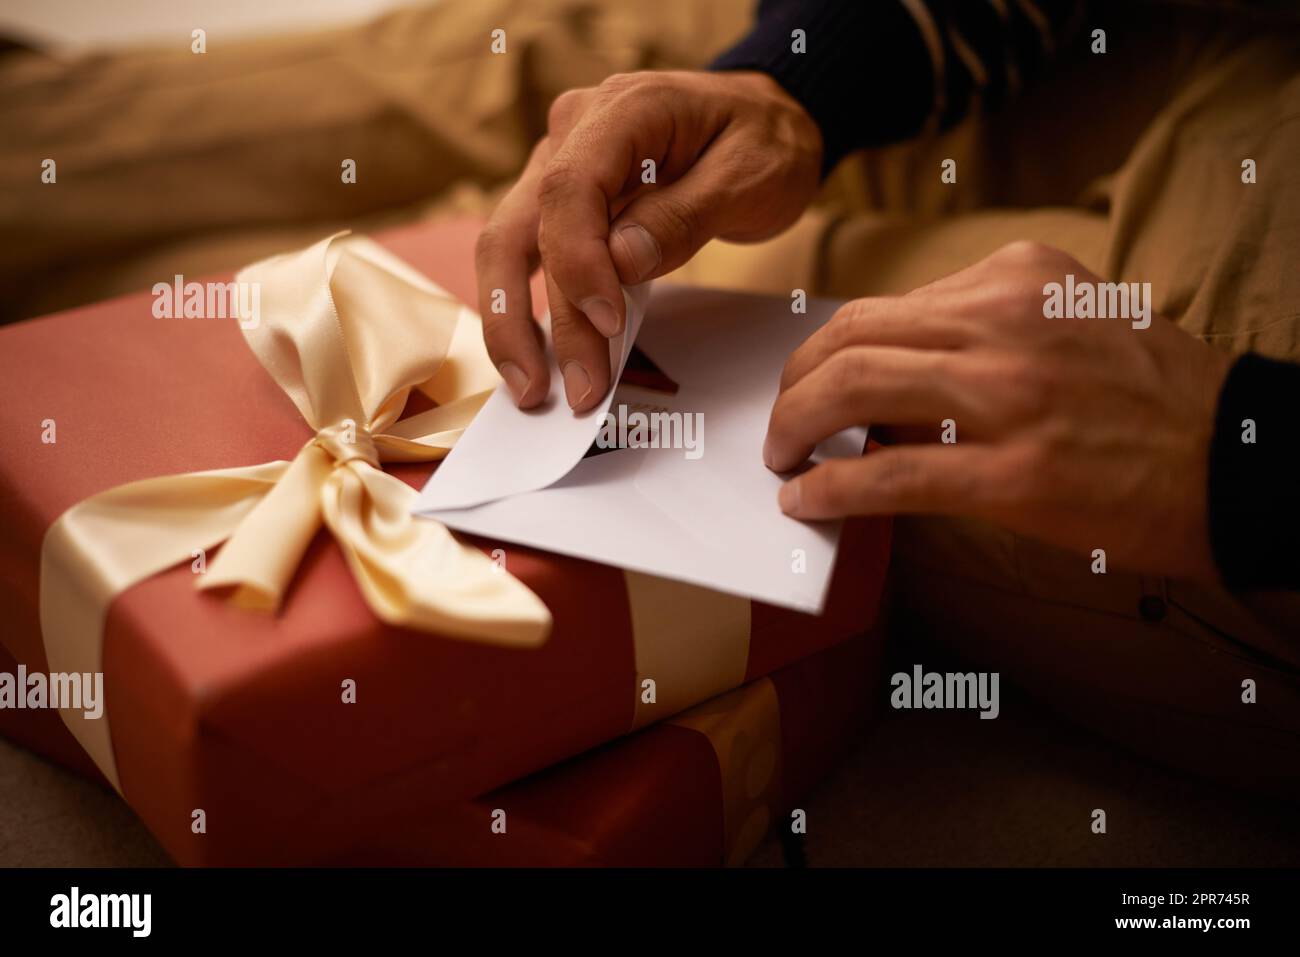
(663, 228)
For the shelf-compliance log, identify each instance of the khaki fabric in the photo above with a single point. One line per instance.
(174, 162)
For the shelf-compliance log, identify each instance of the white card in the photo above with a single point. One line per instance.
(506, 452)
(707, 515)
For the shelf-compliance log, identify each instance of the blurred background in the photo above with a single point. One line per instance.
(76, 25)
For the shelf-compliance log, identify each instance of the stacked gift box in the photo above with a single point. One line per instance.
(319, 733)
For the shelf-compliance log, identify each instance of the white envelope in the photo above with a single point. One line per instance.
(708, 517)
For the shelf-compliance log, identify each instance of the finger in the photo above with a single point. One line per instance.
(589, 170)
(505, 256)
(859, 386)
(565, 112)
(566, 109)
(663, 228)
(581, 352)
(914, 479)
(877, 321)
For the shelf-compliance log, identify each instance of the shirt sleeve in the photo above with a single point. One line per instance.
(872, 72)
(1254, 492)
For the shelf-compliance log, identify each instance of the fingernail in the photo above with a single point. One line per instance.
(641, 249)
(577, 384)
(516, 379)
(602, 315)
(767, 452)
(790, 497)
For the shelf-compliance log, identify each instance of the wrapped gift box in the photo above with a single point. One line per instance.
(239, 714)
(700, 789)
(660, 797)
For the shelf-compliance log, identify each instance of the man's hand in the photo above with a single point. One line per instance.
(1086, 433)
(734, 157)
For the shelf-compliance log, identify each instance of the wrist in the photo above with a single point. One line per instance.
(794, 125)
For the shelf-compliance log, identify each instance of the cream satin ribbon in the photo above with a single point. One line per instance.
(744, 729)
(693, 643)
(347, 330)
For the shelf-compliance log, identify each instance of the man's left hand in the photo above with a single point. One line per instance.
(1085, 433)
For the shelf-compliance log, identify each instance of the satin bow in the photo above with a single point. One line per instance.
(347, 330)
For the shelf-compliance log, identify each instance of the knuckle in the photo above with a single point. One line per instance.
(496, 337)
(574, 268)
(754, 165)
(1026, 252)
(563, 109)
(845, 372)
(680, 219)
(556, 184)
(617, 83)
(647, 91)
(838, 334)
(1008, 299)
(851, 321)
(507, 338)
(851, 311)
(898, 474)
(564, 328)
(570, 330)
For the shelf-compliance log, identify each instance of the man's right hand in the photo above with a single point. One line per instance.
(734, 157)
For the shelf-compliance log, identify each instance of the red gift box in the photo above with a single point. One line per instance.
(665, 796)
(239, 714)
(655, 798)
